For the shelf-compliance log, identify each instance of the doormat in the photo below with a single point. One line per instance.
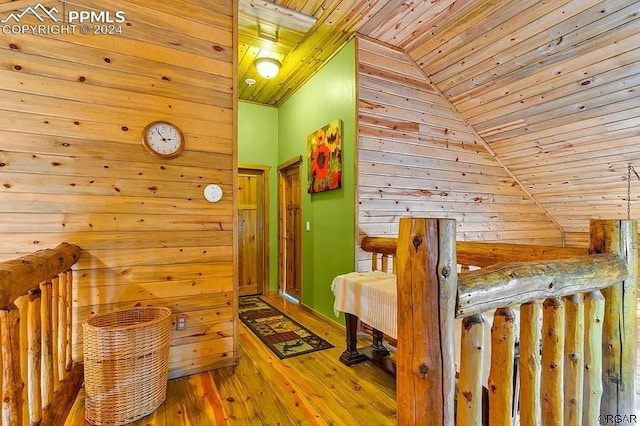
(284, 336)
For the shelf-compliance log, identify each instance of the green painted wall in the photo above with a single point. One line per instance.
(272, 136)
(328, 249)
(258, 144)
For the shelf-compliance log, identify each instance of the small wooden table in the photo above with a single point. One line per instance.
(372, 298)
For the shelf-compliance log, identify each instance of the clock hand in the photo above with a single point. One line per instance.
(162, 136)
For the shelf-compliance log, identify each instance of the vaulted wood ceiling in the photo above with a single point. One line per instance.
(550, 86)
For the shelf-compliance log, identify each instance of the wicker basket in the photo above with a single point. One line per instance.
(126, 356)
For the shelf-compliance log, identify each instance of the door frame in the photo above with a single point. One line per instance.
(264, 170)
(281, 222)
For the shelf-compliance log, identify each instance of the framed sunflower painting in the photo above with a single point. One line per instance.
(324, 152)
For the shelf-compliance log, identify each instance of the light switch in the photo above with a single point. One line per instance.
(308, 226)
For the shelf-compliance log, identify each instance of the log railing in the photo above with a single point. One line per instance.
(577, 337)
(39, 380)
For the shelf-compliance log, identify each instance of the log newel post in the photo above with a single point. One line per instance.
(619, 329)
(427, 285)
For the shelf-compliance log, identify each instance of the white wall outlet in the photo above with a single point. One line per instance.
(181, 322)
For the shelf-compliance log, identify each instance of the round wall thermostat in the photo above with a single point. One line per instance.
(213, 193)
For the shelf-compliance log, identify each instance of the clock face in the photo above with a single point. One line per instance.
(163, 139)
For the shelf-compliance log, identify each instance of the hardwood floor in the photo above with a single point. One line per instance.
(263, 390)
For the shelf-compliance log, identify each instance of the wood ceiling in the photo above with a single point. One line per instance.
(550, 86)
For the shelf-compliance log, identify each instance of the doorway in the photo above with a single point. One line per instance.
(253, 229)
(290, 229)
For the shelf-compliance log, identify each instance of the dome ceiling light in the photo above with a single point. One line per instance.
(267, 67)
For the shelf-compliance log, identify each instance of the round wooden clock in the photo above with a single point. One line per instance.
(163, 139)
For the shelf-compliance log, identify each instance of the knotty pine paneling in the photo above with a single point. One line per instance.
(72, 167)
(552, 89)
(417, 157)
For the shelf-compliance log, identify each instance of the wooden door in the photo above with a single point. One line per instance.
(290, 229)
(253, 231)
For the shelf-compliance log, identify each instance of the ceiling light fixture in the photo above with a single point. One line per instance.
(267, 67)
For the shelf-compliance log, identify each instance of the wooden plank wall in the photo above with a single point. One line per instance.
(72, 167)
(417, 157)
(552, 88)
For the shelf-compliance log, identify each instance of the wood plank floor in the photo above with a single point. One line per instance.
(264, 390)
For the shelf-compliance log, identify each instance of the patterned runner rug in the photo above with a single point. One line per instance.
(284, 336)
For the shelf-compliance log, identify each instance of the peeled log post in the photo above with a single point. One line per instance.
(593, 317)
(573, 359)
(530, 363)
(552, 362)
(69, 325)
(34, 395)
(12, 384)
(425, 359)
(469, 391)
(47, 354)
(618, 237)
(503, 338)
(62, 326)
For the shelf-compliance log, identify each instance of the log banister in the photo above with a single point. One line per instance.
(19, 276)
(511, 284)
(585, 349)
(46, 309)
(484, 254)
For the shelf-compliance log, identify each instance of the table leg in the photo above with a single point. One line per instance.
(377, 345)
(351, 356)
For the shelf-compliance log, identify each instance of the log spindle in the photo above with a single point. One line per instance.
(594, 318)
(385, 263)
(34, 338)
(469, 390)
(62, 326)
(553, 362)
(573, 359)
(46, 345)
(427, 277)
(12, 384)
(55, 325)
(503, 338)
(69, 324)
(530, 363)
